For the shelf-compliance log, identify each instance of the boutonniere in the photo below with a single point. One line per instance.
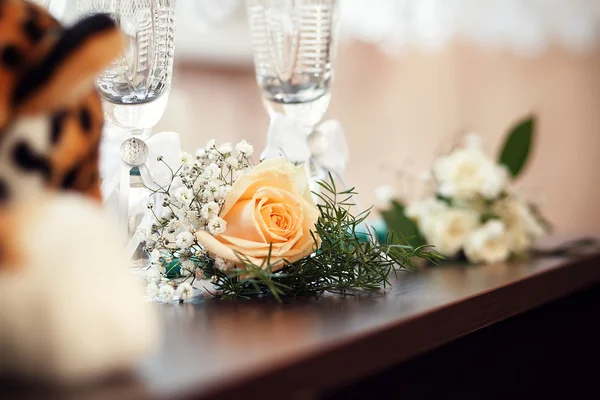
(473, 209)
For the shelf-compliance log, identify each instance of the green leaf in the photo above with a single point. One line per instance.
(518, 146)
(402, 226)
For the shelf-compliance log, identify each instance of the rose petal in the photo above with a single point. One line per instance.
(241, 222)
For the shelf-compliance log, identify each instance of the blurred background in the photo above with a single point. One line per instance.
(412, 75)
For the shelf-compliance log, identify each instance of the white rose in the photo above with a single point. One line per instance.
(425, 211)
(466, 173)
(522, 226)
(488, 244)
(497, 178)
(449, 230)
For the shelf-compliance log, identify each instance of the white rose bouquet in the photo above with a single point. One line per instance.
(226, 227)
(474, 210)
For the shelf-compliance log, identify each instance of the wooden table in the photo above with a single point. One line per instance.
(246, 349)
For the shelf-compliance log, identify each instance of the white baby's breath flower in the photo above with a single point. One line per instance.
(449, 230)
(152, 290)
(144, 233)
(211, 191)
(161, 207)
(223, 264)
(199, 184)
(225, 148)
(199, 274)
(212, 171)
(200, 252)
(210, 210)
(187, 268)
(175, 226)
(232, 162)
(186, 159)
(488, 243)
(153, 274)
(166, 293)
(184, 240)
(217, 226)
(385, 195)
(201, 153)
(244, 148)
(213, 155)
(155, 256)
(185, 291)
(222, 192)
(184, 195)
(210, 144)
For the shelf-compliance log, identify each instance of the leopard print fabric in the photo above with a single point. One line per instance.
(51, 117)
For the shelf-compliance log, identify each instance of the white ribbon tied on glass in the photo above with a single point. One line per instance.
(144, 154)
(326, 147)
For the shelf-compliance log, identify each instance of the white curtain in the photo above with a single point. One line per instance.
(526, 27)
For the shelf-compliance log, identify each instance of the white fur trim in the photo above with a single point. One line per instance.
(72, 310)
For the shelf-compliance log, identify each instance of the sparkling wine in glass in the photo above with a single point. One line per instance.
(294, 45)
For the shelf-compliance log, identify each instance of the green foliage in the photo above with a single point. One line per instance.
(402, 226)
(344, 264)
(517, 146)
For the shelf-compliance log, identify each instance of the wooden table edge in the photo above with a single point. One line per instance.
(367, 353)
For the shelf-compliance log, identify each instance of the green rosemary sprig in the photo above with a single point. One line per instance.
(347, 261)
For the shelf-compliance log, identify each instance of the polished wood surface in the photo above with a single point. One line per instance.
(227, 349)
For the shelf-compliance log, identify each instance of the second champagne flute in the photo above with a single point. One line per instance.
(294, 45)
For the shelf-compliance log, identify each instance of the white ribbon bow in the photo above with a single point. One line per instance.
(117, 159)
(326, 146)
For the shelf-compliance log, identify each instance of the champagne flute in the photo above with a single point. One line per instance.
(135, 88)
(294, 45)
(295, 42)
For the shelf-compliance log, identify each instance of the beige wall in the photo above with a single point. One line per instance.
(400, 112)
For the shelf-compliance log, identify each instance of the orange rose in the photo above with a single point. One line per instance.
(269, 209)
